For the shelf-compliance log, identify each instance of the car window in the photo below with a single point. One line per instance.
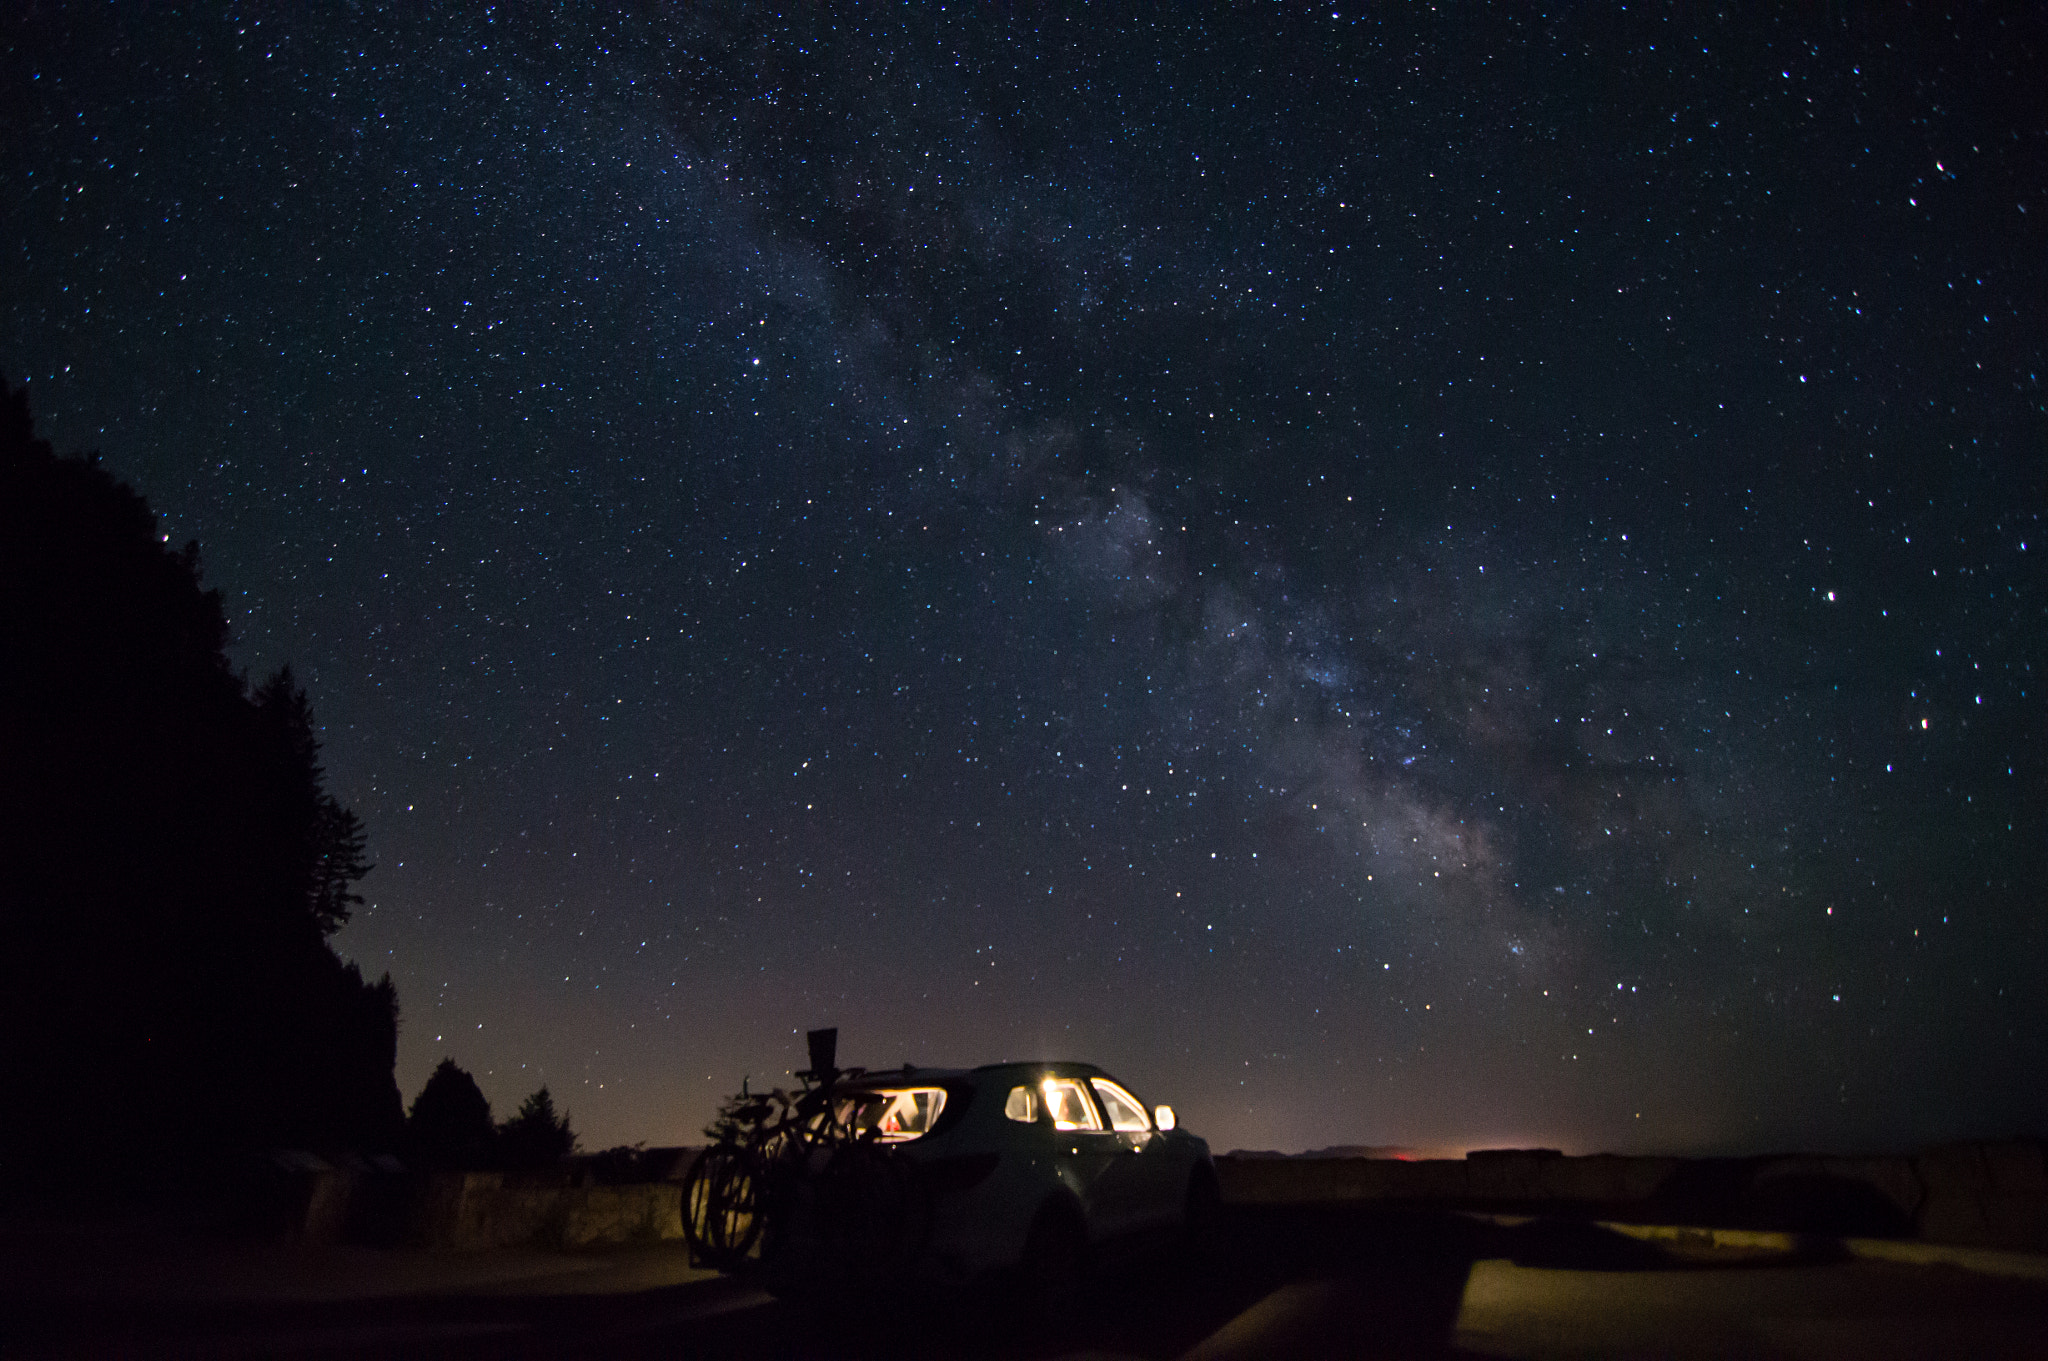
(1021, 1105)
(1067, 1101)
(898, 1115)
(1125, 1114)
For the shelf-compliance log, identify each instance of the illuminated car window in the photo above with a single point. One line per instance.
(1068, 1103)
(1022, 1105)
(1125, 1114)
(901, 1114)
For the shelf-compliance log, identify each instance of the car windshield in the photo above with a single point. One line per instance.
(894, 1115)
(1126, 1116)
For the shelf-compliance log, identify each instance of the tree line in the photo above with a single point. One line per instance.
(172, 863)
(450, 1126)
(172, 868)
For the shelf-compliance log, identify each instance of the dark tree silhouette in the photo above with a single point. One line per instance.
(170, 860)
(320, 843)
(450, 1124)
(536, 1137)
(340, 858)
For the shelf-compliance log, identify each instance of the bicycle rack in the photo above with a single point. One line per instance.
(791, 1189)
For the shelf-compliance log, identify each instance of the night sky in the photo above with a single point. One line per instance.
(1433, 577)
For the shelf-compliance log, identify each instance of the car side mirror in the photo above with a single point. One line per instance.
(1163, 1117)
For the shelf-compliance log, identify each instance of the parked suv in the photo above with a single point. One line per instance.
(1031, 1165)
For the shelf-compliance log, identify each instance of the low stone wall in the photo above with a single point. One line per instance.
(1984, 1195)
(465, 1211)
(1975, 1195)
(1978, 1194)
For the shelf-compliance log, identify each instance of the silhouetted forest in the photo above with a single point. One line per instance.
(171, 863)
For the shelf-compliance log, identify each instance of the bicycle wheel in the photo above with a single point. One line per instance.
(721, 1207)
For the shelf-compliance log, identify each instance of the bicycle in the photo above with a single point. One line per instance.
(795, 1186)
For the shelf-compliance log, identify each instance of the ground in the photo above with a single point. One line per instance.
(1291, 1283)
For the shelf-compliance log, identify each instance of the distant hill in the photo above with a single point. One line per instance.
(1394, 1151)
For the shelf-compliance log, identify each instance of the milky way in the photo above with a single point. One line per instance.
(1437, 579)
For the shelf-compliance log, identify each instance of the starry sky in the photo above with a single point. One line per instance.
(1436, 576)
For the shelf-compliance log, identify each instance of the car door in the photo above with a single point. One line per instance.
(1140, 1188)
(1085, 1149)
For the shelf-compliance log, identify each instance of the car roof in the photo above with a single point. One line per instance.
(910, 1075)
(1066, 1066)
(906, 1076)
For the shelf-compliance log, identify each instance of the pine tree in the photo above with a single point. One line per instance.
(322, 842)
(450, 1122)
(536, 1137)
(339, 859)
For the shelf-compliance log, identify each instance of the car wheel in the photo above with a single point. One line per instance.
(1054, 1271)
